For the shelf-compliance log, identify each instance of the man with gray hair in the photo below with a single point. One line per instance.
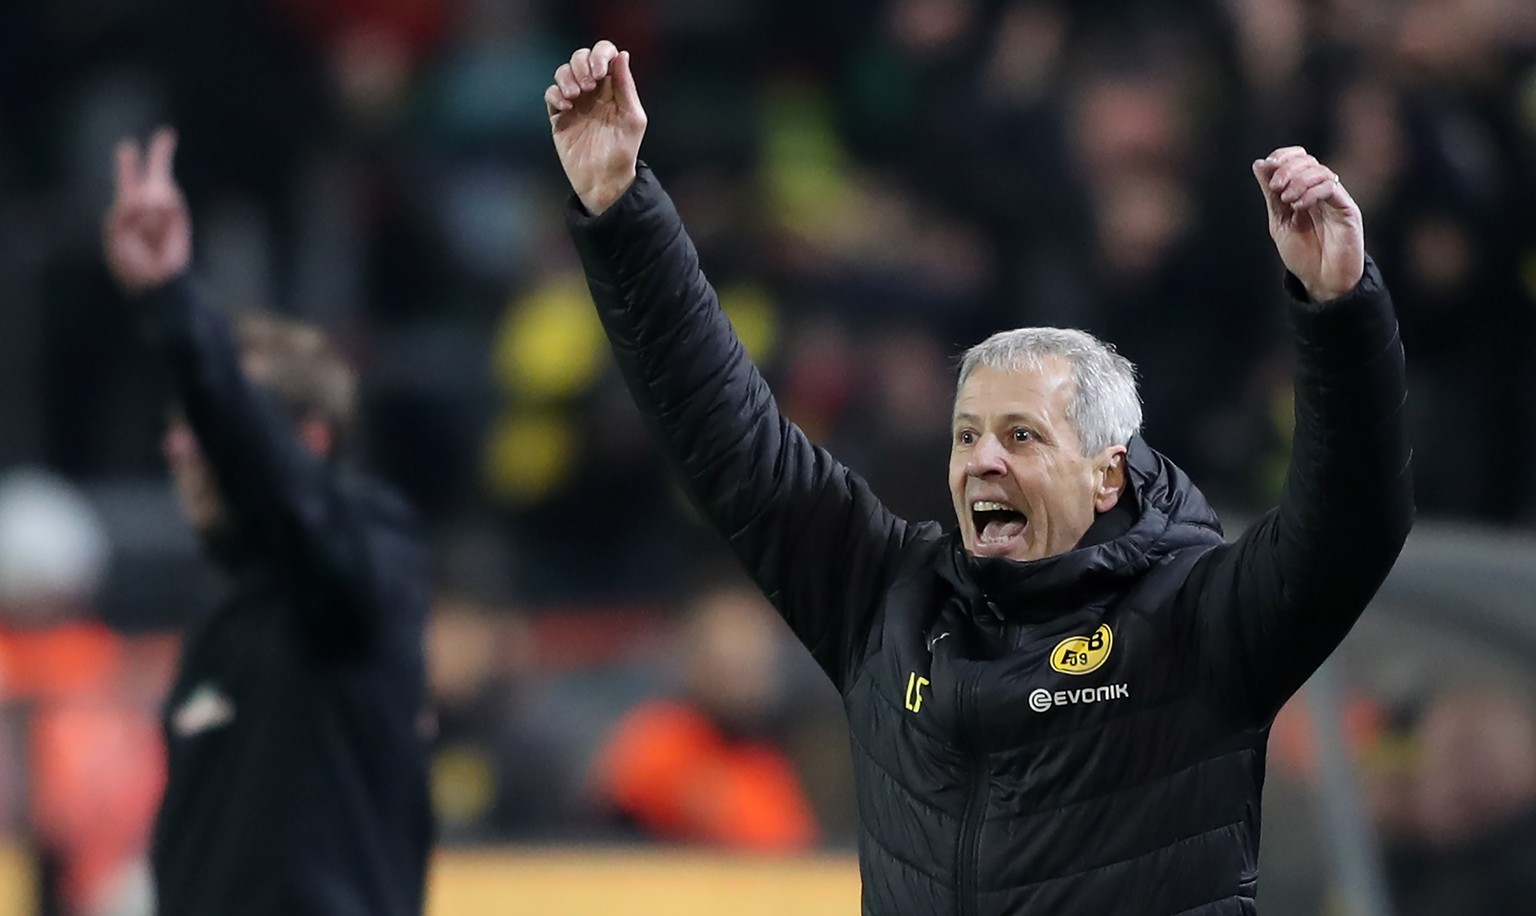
(1062, 708)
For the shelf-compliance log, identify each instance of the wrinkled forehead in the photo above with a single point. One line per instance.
(1043, 388)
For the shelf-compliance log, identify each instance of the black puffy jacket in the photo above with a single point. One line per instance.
(1082, 734)
(296, 761)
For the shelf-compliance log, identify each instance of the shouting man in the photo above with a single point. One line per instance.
(1061, 705)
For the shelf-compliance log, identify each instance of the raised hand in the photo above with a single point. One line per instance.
(595, 114)
(147, 236)
(1316, 225)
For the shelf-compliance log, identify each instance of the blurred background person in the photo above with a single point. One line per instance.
(499, 769)
(296, 748)
(705, 764)
(72, 703)
(1471, 807)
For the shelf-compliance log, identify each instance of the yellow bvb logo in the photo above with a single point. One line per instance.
(1082, 654)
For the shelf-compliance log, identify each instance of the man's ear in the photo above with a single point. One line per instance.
(1111, 479)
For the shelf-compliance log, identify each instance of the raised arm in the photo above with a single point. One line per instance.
(1273, 605)
(818, 543)
(280, 497)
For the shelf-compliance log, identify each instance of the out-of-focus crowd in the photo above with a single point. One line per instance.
(873, 184)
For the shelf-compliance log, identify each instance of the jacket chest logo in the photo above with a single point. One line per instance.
(1042, 700)
(1083, 654)
(915, 685)
(207, 707)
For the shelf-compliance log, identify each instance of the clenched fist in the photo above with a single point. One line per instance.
(595, 114)
(1316, 225)
(148, 233)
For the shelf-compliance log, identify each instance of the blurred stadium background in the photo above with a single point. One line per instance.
(874, 184)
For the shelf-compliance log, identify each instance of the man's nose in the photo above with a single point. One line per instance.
(987, 459)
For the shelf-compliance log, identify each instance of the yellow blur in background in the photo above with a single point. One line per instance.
(555, 882)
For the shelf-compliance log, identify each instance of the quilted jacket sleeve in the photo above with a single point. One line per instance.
(810, 532)
(1272, 606)
(354, 560)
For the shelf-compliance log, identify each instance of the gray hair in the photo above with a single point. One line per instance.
(1105, 409)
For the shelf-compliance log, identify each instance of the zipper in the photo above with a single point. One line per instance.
(968, 843)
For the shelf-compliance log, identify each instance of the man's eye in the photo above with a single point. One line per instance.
(965, 437)
(1022, 435)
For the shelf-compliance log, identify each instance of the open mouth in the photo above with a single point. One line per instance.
(996, 524)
